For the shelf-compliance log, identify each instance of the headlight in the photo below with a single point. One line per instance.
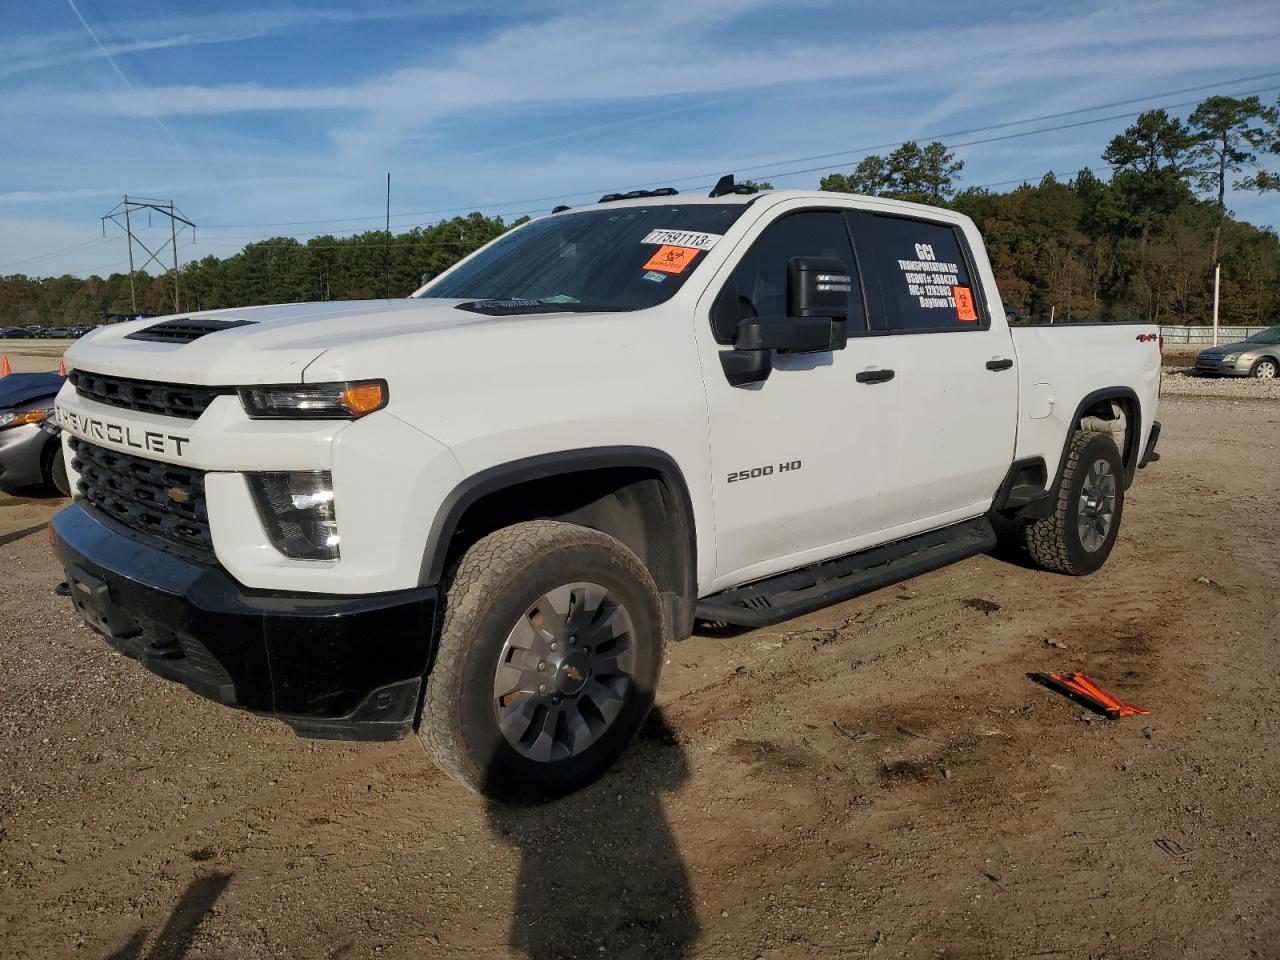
(297, 512)
(1231, 358)
(314, 401)
(11, 419)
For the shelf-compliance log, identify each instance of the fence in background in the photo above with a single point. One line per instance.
(1173, 334)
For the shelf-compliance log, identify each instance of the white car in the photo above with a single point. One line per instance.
(478, 514)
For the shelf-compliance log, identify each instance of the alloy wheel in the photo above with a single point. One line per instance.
(564, 672)
(1097, 505)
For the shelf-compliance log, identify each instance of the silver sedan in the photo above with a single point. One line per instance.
(1258, 356)
(30, 451)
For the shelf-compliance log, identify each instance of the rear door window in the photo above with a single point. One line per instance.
(923, 273)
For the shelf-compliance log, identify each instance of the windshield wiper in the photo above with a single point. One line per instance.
(514, 307)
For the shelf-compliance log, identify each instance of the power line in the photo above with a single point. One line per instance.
(768, 168)
(823, 156)
(54, 253)
(777, 174)
(1024, 133)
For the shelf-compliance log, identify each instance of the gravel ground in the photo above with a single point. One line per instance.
(1180, 382)
(875, 780)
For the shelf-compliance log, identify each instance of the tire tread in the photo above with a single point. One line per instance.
(483, 569)
(1047, 539)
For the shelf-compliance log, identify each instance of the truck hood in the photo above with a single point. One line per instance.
(271, 344)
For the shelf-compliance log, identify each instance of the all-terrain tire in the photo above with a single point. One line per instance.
(492, 588)
(1055, 542)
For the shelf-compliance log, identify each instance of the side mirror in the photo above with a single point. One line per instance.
(818, 287)
(817, 313)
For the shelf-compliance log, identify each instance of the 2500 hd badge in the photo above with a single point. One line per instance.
(150, 440)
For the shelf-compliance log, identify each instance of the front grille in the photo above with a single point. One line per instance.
(161, 499)
(170, 399)
(183, 330)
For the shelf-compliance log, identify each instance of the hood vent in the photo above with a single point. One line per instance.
(184, 330)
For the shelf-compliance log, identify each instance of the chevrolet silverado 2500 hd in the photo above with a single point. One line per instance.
(477, 514)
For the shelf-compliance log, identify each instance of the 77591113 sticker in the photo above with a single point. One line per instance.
(671, 259)
(683, 238)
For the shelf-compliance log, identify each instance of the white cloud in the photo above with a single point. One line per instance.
(595, 95)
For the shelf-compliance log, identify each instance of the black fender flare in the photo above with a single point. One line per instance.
(546, 465)
(1133, 437)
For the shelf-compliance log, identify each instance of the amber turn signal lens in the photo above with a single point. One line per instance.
(362, 398)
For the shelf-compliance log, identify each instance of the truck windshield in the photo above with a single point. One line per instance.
(627, 258)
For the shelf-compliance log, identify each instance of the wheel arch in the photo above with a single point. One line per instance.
(1092, 405)
(637, 494)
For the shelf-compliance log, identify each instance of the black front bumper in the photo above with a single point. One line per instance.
(335, 667)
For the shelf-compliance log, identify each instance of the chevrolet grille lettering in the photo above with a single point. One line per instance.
(93, 428)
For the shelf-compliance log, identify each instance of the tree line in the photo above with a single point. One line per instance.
(1140, 245)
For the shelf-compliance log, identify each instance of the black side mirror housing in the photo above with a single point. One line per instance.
(818, 287)
(817, 314)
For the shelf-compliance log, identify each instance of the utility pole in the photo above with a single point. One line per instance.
(173, 241)
(131, 205)
(133, 294)
(386, 251)
(1217, 278)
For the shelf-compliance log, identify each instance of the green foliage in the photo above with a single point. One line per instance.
(920, 174)
(280, 270)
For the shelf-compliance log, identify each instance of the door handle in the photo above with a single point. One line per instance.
(1004, 364)
(874, 376)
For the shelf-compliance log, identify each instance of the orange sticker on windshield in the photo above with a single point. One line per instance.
(671, 259)
(964, 304)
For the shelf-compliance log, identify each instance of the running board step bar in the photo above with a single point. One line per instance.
(810, 588)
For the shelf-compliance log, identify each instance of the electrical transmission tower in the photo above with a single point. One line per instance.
(132, 205)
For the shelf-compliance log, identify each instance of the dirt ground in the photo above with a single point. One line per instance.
(876, 780)
(33, 356)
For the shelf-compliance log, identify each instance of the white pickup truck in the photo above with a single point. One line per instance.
(479, 513)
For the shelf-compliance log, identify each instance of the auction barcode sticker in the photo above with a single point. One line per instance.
(683, 238)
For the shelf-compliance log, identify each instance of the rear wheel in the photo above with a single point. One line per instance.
(1264, 369)
(550, 651)
(1078, 536)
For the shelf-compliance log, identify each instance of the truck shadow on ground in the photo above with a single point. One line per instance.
(600, 874)
(175, 937)
(16, 535)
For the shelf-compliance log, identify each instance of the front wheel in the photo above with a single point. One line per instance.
(1078, 536)
(1264, 369)
(54, 469)
(550, 650)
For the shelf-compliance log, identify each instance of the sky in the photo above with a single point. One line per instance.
(279, 117)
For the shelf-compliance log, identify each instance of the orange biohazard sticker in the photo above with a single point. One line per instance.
(671, 259)
(964, 304)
